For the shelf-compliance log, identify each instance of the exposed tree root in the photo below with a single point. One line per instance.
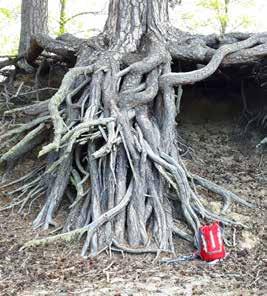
(114, 156)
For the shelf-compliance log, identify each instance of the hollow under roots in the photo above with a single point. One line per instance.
(114, 159)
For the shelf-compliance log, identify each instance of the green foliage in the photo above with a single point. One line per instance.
(9, 19)
(246, 21)
(220, 7)
(6, 12)
(212, 4)
(222, 11)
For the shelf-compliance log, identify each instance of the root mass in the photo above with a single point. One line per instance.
(114, 156)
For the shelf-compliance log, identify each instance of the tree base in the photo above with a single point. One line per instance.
(114, 155)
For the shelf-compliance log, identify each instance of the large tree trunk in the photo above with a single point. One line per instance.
(34, 20)
(114, 154)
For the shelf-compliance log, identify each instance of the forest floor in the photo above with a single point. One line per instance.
(219, 154)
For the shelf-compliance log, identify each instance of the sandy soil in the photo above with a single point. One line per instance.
(59, 270)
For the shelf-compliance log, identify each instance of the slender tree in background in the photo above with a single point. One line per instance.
(222, 12)
(62, 20)
(221, 9)
(113, 154)
(34, 20)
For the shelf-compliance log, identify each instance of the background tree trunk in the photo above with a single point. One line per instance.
(62, 17)
(34, 20)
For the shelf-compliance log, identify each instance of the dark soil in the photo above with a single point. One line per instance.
(219, 152)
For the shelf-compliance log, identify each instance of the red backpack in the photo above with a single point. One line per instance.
(211, 246)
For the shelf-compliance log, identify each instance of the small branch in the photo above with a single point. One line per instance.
(25, 127)
(34, 109)
(83, 13)
(24, 178)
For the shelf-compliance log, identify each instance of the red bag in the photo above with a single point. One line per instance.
(211, 242)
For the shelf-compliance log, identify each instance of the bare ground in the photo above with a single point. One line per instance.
(218, 154)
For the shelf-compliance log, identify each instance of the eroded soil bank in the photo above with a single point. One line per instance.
(218, 151)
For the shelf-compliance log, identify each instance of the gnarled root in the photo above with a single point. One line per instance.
(114, 157)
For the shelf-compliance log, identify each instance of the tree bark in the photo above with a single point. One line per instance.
(34, 20)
